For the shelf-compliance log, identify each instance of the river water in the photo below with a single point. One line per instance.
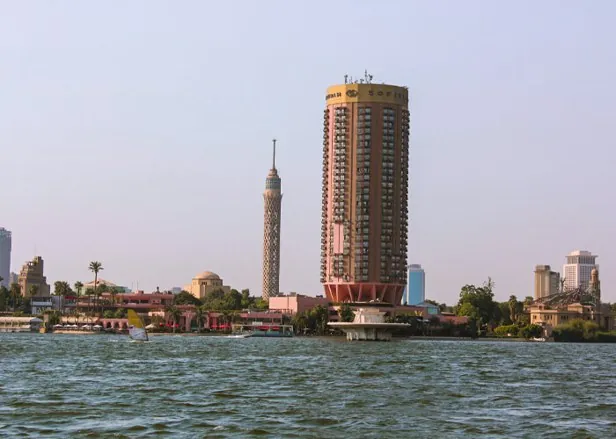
(104, 386)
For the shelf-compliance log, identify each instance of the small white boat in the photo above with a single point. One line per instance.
(538, 339)
(243, 335)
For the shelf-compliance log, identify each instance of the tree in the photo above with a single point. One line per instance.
(89, 293)
(114, 292)
(513, 308)
(233, 300)
(102, 289)
(62, 288)
(528, 300)
(95, 267)
(53, 318)
(318, 318)
(185, 298)
(213, 300)
(246, 300)
(506, 331)
(4, 297)
(15, 293)
(531, 331)
(300, 322)
(199, 317)
(261, 303)
(346, 313)
(78, 286)
(477, 303)
(505, 315)
(33, 290)
(174, 313)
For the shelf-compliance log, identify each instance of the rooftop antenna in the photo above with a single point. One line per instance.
(346, 78)
(274, 155)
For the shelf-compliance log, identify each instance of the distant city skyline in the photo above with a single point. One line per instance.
(138, 139)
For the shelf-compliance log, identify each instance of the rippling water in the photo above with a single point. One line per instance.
(71, 386)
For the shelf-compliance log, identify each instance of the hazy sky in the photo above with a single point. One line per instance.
(139, 134)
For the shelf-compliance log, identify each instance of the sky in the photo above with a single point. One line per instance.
(139, 134)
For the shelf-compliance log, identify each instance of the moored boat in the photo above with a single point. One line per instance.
(258, 329)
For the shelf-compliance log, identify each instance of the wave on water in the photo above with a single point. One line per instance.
(186, 387)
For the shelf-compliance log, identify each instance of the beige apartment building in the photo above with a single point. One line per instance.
(32, 274)
(547, 282)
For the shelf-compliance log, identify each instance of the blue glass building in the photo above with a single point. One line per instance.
(415, 293)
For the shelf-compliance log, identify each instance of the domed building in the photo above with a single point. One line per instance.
(205, 282)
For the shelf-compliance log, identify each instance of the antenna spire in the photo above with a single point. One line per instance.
(274, 155)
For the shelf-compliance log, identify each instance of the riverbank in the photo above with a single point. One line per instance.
(67, 331)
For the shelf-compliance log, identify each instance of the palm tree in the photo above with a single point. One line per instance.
(78, 286)
(513, 302)
(95, 267)
(15, 291)
(174, 313)
(99, 292)
(199, 314)
(89, 293)
(114, 292)
(33, 290)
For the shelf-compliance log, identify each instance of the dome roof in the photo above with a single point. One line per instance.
(207, 275)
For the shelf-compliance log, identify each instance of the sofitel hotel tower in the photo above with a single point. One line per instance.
(364, 222)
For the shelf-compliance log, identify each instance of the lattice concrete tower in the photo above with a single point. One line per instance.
(272, 198)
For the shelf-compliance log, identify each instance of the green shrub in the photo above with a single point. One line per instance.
(579, 330)
(506, 331)
(531, 331)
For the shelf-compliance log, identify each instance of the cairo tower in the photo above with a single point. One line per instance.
(272, 198)
(364, 223)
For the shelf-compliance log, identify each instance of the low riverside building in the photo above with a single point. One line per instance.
(213, 320)
(294, 303)
(40, 304)
(136, 301)
(20, 324)
(109, 285)
(550, 317)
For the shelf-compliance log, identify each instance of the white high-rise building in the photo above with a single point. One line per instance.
(5, 256)
(577, 270)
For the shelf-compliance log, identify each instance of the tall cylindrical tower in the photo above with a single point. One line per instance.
(364, 222)
(272, 198)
